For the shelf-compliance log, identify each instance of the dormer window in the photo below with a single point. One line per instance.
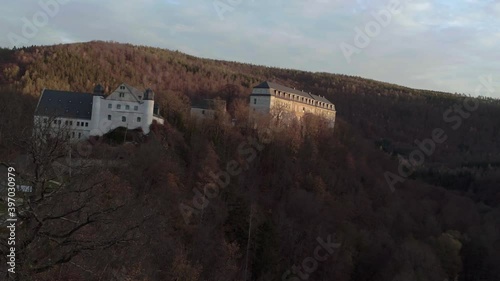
(122, 95)
(122, 87)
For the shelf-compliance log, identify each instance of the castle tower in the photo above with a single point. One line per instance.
(149, 96)
(97, 97)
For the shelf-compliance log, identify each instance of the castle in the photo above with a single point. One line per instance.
(208, 108)
(94, 114)
(284, 103)
(83, 115)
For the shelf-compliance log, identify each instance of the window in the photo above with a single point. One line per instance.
(122, 87)
(66, 122)
(140, 97)
(78, 124)
(110, 105)
(136, 108)
(118, 106)
(79, 135)
(124, 119)
(86, 124)
(138, 119)
(109, 117)
(73, 135)
(122, 95)
(71, 123)
(127, 107)
(254, 101)
(203, 112)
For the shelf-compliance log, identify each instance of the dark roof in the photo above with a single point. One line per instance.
(209, 104)
(65, 104)
(321, 99)
(99, 90)
(272, 85)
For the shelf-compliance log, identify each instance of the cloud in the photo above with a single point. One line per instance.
(443, 45)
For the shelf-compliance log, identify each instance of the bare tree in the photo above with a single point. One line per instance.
(279, 112)
(67, 214)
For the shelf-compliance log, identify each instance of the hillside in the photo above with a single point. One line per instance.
(441, 223)
(382, 112)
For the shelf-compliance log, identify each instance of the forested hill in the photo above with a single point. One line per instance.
(441, 224)
(390, 115)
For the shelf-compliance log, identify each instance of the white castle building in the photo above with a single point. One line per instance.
(284, 103)
(94, 114)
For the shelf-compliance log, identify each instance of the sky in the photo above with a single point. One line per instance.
(438, 45)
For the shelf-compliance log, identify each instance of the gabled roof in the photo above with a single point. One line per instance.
(276, 86)
(136, 92)
(54, 103)
(211, 104)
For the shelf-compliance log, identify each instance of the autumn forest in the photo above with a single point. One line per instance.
(128, 211)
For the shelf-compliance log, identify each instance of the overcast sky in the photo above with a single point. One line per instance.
(440, 45)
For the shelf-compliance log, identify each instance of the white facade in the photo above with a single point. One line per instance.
(122, 108)
(125, 107)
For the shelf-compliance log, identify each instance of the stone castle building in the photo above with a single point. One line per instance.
(284, 103)
(94, 114)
